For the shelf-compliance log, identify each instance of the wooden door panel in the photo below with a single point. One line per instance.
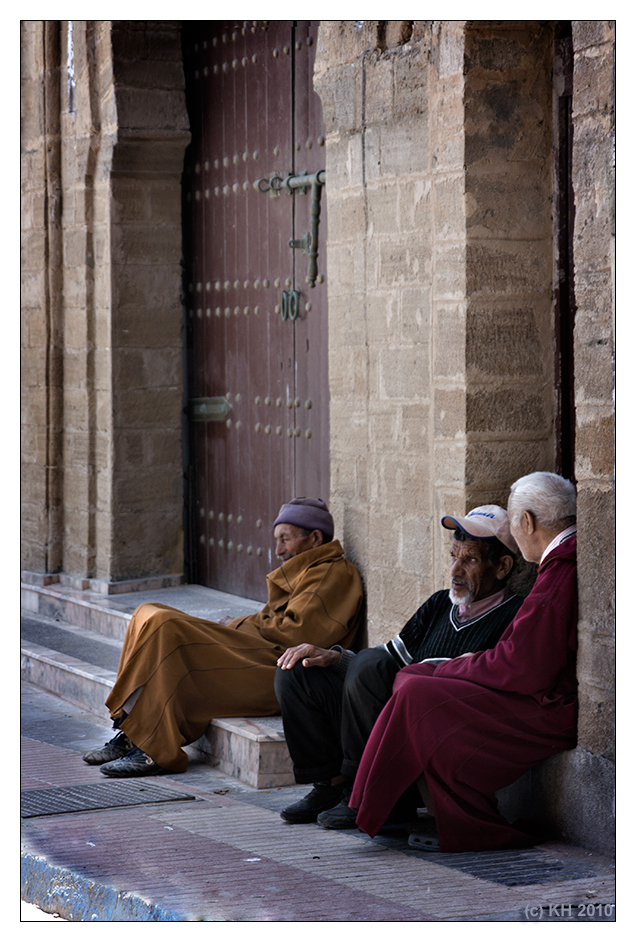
(241, 97)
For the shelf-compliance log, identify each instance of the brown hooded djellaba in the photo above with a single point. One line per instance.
(192, 670)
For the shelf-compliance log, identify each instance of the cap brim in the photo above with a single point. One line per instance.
(471, 528)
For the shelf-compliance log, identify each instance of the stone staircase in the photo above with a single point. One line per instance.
(71, 640)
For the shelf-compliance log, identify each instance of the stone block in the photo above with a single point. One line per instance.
(147, 368)
(594, 358)
(393, 597)
(32, 289)
(448, 206)
(496, 465)
(597, 719)
(405, 260)
(504, 341)
(416, 207)
(586, 33)
(344, 166)
(130, 201)
(340, 91)
(352, 428)
(147, 245)
(341, 269)
(514, 203)
(147, 408)
(382, 317)
(414, 426)
(343, 41)
(416, 550)
(146, 490)
(596, 561)
(410, 77)
(500, 52)
(448, 50)
(397, 483)
(404, 147)
(383, 424)
(501, 269)
(350, 218)
(593, 80)
(382, 210)
(378, 91)
(595, 443)
(155, 108)
(404, 372)
(517, 411)
(347, 321)
(449, 266)
(449, 465)
(449, 341)
(385, 521)
(450, 413)
(415, 315)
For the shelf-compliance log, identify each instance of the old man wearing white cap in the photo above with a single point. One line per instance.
(177, 671)
(330, 699)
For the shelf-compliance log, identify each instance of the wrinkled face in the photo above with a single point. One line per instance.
(290, 541)
(473, 576)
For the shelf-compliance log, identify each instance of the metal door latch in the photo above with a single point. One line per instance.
(212, 409)
(291, 183)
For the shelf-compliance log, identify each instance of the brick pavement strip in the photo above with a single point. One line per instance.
(343, 859)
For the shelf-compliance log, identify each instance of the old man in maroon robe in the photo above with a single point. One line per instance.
(474, 724)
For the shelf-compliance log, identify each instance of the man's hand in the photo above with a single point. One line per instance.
(225, 620)
(310, 655)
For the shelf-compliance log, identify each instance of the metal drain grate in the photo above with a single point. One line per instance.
(524, 867)
(39, 802)
(514, 867)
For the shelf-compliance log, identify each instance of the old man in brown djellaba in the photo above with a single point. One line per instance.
(178, 671)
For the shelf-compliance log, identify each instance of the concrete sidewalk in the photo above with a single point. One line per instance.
(205, 847)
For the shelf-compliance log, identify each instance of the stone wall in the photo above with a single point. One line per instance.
(41, 332)
(104, 131)
(439, 258)
(593, 166)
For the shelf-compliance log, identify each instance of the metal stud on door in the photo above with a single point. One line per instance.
(256, 363)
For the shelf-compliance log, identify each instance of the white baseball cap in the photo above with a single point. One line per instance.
(483, 523)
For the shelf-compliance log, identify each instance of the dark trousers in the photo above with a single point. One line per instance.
(328, 720)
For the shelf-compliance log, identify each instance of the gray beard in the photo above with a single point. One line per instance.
(465, 599)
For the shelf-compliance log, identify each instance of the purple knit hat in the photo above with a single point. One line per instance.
(310, 513)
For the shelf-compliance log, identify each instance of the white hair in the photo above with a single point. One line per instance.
(550, 498)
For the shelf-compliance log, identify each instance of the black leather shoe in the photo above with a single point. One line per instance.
(115, 748)
(134, 764)
(321, 797)
(340, 818)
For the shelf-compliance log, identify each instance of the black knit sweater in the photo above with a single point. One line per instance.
(435, 630)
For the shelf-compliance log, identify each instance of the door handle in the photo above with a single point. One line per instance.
(294, 305)
(290, 305)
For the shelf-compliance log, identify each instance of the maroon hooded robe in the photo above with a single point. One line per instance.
(475, 724)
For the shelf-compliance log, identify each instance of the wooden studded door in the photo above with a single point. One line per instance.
(256, 312)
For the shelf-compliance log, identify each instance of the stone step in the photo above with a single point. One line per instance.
(108, 615)
(79, 663)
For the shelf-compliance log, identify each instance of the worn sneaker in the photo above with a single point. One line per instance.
(117, 747)
(134, 763)
(340, 818)
(306, 810)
